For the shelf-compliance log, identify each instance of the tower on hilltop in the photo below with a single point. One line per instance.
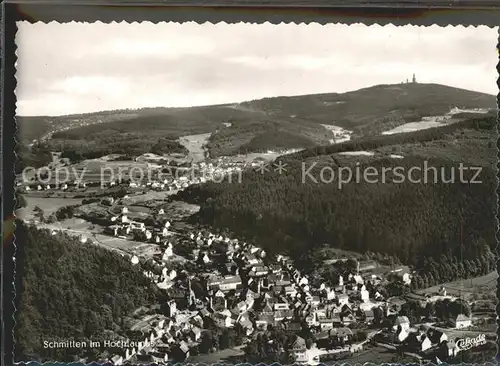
(414, 80)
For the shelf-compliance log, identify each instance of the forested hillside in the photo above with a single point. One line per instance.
(234, 130)
(412, 221)
(69, 290)
(255, 126)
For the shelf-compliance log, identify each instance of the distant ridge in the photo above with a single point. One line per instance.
(252, 126)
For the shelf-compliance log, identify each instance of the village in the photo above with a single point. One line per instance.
(227, 298)
(232, 285)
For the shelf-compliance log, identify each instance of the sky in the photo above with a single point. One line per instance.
(86, 67)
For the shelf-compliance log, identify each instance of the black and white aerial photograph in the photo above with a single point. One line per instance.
(255, 193)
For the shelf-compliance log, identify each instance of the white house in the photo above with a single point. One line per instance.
(403, 322)
(205, 258)
(343, 299)
(172, 274)
(402, 334)
(117, 360)
(223, 320)
(462, 321)
(171, 308)
(169, 252)
(358, 279)
(230, 283)
(330, 294)
(365, 295)
(424, 342)
(281, 306)
(290, 291)
(442, 291)
(451, 348)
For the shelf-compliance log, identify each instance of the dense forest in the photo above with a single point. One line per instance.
(70, 290)
(412, 221)
(167, 145)
(35, 156)
(270, 133)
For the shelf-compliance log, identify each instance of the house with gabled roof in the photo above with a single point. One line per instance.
(275, 268)
(282, 305)
(449, 348)
(348, 319)
(419, 342)
(282, 315)
(263, 321)
(184, 348)
(342, 333)
(293, 326)
(310, 320)
(325, 323)
(290, 291)
(230, 283)
(195, 334)
(403, 322)
(342, 299)
(436, 336)
(117, 360)
(400, 334)
(246, 325)
(368, 316)
(217, 303)
(223, 320)
(259, 271)
(299, 350)
(267, 309)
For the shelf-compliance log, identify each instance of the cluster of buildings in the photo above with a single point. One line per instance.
(427, 341)
(236, 286)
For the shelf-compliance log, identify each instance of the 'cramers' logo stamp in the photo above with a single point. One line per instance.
(468, 343)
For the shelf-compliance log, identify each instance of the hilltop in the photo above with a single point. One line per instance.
(374, 105)
(253, 126)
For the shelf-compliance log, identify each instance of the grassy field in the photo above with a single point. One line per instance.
(48, 205)
(376, 354)
(217, 357)
(78, 227)
(195, 144)
(467, 288)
